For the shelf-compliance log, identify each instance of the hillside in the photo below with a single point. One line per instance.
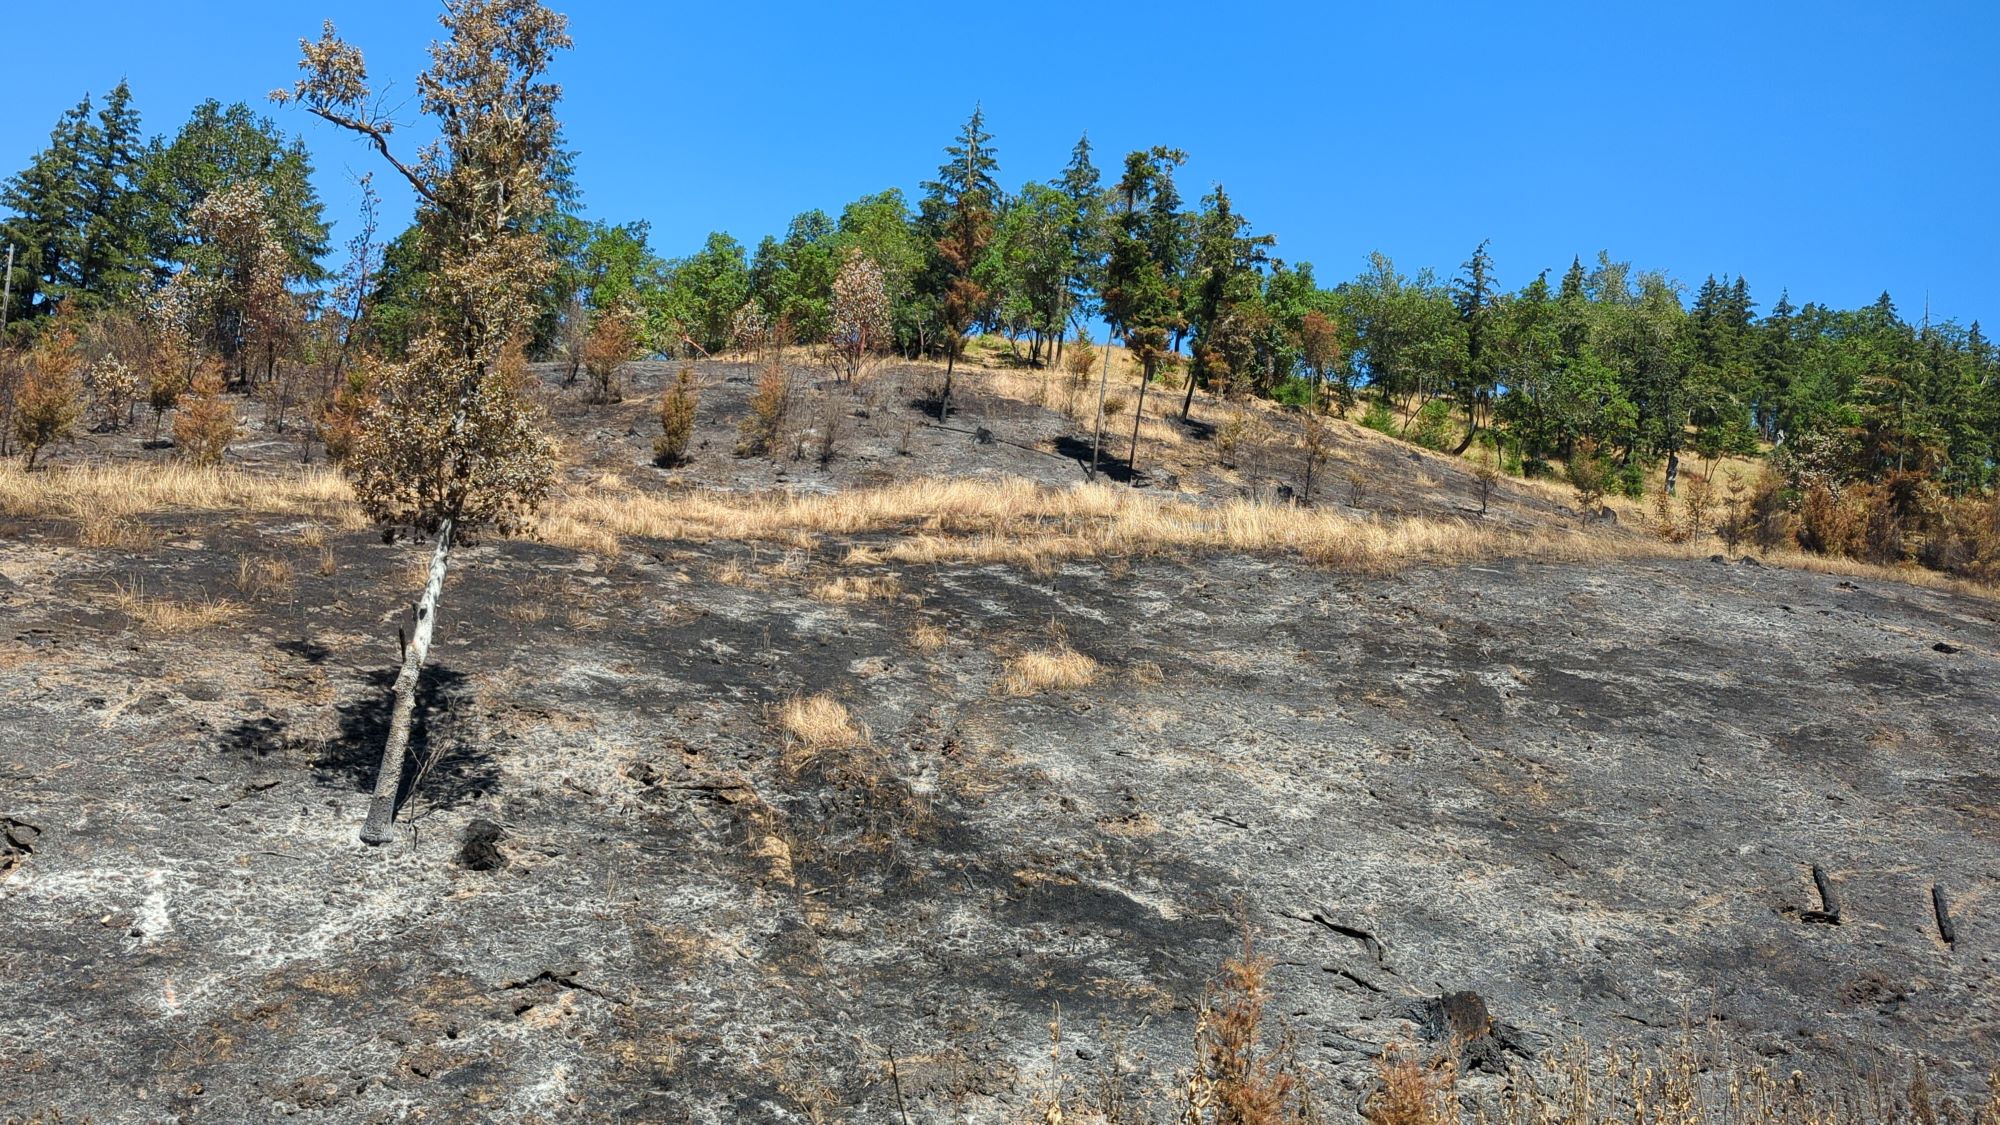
(765, 790)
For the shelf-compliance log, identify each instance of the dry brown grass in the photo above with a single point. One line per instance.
(929, 638)
(1058, 669)
(261, 576)
(167, 615)
(818, 722)
(109, 492)
(859, 588)
(96, 528)
(1017, 521)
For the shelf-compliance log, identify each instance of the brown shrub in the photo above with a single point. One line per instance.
(677, 412)
(205, 422)
(50, 400)
(614, 340)
(764, 425)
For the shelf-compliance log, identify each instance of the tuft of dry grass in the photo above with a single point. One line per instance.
(96, 528)
(859, 588)
(262, 576)
(1058, 669)
(818, 722)
(929, 638)
(166, 615)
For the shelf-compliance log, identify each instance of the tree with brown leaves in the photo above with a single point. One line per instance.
(452, 444)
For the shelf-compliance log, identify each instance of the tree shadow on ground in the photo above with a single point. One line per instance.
(447, 761)
(446, 757)
(1115, 468)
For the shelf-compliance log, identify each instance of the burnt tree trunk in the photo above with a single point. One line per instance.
(379, 827)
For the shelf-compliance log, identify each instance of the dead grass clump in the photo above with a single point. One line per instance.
(259, 577)
(1059, 669)
(818, 722)
(859, 588)
(166, 615)
(94, 528)
(928, 638)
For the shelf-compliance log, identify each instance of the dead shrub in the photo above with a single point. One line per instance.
(49, 401)
(677, 412)
(613, 342)
(1238, 1077)
(205, 422)
(763, 427)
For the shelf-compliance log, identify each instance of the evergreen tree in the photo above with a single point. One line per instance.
(112, 252)
(1476, 382)
(959, 208)
(1225, 277)
(218, 148)
(1083, 187)
(48, 201)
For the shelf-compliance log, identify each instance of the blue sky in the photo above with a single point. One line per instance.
(1834, 149)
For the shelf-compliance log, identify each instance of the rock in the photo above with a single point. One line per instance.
(1286, 495)
(479, 848)
(1945, 648)
(982, 436)
(1748, 560)
(1718, 558)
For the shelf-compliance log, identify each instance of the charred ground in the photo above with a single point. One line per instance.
(1591, 794)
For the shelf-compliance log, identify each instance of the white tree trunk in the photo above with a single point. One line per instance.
(378, 829)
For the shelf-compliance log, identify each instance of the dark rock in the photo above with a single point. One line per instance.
(479, 847)
(982, 436)
(1748, 560)
(1718, 558)
(1945, 648)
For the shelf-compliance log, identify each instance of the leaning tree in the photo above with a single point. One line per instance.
(452, 445)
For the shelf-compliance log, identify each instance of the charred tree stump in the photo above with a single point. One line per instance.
(1829, 902)
(1941, 906)
(378, 829)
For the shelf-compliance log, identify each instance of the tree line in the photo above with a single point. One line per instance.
(1596, 369)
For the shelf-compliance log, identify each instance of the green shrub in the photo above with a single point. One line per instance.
(1379, 418)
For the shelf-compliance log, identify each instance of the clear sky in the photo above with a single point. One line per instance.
(1834, 149)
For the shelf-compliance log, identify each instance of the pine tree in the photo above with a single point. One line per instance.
(959, 207)
(47, 200)
(1083, 186)
(112, 259)
(1475, 385)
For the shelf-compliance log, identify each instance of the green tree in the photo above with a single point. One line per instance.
(219, 148)
(1225, 280)
(47, 204)
(1141, 304)
(958, 211)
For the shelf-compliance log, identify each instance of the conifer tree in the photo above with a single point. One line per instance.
(47, 202)
(959, 207)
